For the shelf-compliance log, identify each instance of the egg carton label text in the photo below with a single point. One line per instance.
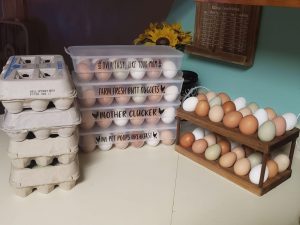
(132, 90)
(127, 137)
(42, 92)
(122, 64)
(128, 113)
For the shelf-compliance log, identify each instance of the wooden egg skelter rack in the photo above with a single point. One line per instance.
(249, 141)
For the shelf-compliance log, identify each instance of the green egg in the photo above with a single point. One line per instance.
(215, 101)
(213, 152)
(253, 107)
(267, 131)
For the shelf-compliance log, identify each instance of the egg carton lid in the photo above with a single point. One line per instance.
(35, 80)
(122, 51)
(129, 128)
(178, 79)
(29, 120)
(116, 106)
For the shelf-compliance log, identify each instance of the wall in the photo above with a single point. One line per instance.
(274, 79)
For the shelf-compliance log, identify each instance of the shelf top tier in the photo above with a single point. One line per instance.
(281, 3)
(234, 134)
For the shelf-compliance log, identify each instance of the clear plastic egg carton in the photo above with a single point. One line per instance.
(128, 91)
(136, 115)
(129, 135)
(124, 61)
(34, 81)
(41, 124)
(43, 152)
(44, 179)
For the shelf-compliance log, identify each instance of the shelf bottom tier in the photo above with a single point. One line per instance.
(228, 173)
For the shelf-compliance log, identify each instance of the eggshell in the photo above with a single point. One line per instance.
(245, 111)
(255, 159)
(83, 71)
(212, 152)
(224, 97)
(261, 116)
(225, 146)
(272, 167)
(242, 167)
(153, 119)
(201, 96)
(153, 141)
(232, 119)
(137, 121)
(271, 113)
(87, 143)
(137, 143)
(139, 97)
(291, 120)
(169, 69)
(121, 144)
(171, 93)
(137, 71)
(228, 107)
(198, 133)
(122, 120)
(167, 137)
(153, 70)
(255, 173)
(253, 107)
(199, 146)
(248, 125)
(282, 161)
(102, 74)
(87, 120)
(239, 151)
(168, 116)
(189, 104)
(88, 98)
(120, 70)
(267, 131)
(105, 145)
(210, 95)
(227, 160)
(210, 139)
(187, 139)
(202, 108)
(216, 113)
(104, 123)
(215, 101)
(234, 144)
(280, 125)
(239, 103)
(123, 99)
(105, 100)
(155, 97)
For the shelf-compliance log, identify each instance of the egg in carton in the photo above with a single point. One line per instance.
(41, 124)
(43, 151)
(44, 179)
(34, 81)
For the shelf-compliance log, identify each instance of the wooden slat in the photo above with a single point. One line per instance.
(282, 3)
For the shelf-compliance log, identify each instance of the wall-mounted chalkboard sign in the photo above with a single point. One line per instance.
(226, 32)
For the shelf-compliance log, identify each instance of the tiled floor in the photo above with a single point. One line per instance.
(137, 187)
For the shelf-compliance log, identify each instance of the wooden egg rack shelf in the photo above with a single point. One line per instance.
(250, 141)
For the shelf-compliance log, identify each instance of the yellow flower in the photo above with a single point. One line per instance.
(163, 36)
(177, 27)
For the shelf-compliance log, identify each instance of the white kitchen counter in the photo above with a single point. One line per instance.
(150, 186)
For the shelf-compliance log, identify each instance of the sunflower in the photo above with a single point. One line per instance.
(163, 36)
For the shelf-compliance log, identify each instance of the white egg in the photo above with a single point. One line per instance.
(171, 93)
(154, 138)
(122, 119)
(282, 161)
(120, 70)
(239, 103)
(255, 159)
(215, 101)
(291, 120)
(169, 69)
(198, 133)
(168, 116)
(190, 104)
(255, 172)
(139, 97)
(136, 69)
(261, 115)
(105, 143)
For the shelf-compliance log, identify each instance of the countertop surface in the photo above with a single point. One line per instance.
(149, 186)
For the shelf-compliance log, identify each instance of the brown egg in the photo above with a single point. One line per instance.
(210, 139)
(88, 97)
(121, 144)
(239, 151)
(201, 96)
(245, 111)
(167, 137)
(152, 119)
(137, 143)
(87, 120)
(105, 100)
(137, 121)
(210, 95)
(202, 108)
(216, 114)
(155, 97)
(225, 146)
(224, 97)
(272, 167)
(87, 143)
(227, 160)
(228, 107)
(187, 140)
(122, 99)
(242, 167)
(248, 125)
(280, 125)
(199, 146)
(232, 119)
(271, 113)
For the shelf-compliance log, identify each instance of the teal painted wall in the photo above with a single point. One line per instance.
(274, 79)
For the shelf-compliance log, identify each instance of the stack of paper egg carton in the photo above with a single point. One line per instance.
(41, 120)
(128, 95)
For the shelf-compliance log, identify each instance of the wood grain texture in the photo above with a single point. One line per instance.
(281, 3)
